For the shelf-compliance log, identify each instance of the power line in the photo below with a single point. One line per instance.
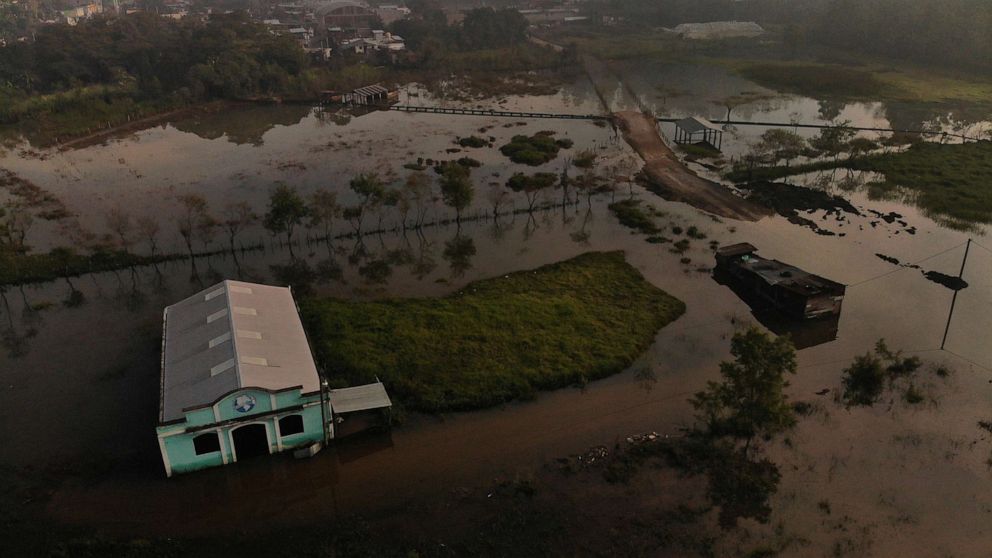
(906, 266)
(976, 243)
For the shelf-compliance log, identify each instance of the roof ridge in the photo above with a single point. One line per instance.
(234, 336)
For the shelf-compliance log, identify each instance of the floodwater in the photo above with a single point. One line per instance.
(80, 364)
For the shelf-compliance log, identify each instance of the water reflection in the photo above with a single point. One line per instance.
(246, 126)
(459, 252)
(804, 333)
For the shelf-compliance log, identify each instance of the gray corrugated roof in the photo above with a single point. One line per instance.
(359, 398)
(371, 89)
(695, 124)
(247, 323)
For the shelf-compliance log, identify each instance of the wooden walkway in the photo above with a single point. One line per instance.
(551, 115)
(498, 113)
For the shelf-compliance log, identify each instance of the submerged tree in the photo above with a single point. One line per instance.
(148, 228)
(497, 196)
(193, 219)
(287, 210)
(119, 223)
(238, 216)
(418, 184)
(782, 144)
(456, 189)
(531, 185)
(370, 191)
(834, 139)
(324, 209)
(750, 400)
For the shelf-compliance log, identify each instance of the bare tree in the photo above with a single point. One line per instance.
(497, 196)
(148, 228)
(119, 223)
(194, 219)
(419, 186)
(324, 209)
(238, 216)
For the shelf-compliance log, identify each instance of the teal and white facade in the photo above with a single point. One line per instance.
(239, 380)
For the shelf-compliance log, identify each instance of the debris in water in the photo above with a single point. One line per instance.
(951, 282)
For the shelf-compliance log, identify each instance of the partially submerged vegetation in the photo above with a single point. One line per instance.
(496, 339)
(636, 215)
(949, 180)
(866, 379)
(534, 150)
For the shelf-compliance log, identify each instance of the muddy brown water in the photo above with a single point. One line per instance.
(79, 384)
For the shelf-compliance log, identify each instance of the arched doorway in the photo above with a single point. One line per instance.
(250, 441)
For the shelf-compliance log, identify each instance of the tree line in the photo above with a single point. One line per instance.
(148, 56)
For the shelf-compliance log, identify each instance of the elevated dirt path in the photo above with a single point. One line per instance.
(670, 179)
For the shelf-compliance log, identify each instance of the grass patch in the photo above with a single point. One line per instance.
(949, 180)
(878, 80)
(497, 339)
(632, 214)
(818, 80)
(473, 141)
(532, 150)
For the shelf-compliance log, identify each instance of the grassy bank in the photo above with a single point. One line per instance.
(947, 179)
(872, 82)
(48, 119)
(496, 339)
(816, 72)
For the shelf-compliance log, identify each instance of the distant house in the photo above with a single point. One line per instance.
(717, 30)
(380, 41)
(80, 11)
(348, 14)
(239, 380)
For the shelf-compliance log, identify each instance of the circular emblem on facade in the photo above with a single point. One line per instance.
(244, 403)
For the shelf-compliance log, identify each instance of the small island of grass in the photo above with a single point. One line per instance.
(497, 339)
(534, 150)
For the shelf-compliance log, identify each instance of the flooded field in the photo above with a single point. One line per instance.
(896, 477)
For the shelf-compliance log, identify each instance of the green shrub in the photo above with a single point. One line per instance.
(864, 380)
(473, 141)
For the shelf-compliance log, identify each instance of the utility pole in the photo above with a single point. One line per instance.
(947, 328)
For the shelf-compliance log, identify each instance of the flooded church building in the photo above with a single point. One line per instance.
(239, 380)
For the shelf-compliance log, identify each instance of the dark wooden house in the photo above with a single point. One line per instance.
(796, 293)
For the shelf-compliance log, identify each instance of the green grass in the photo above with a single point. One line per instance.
(948, 180)
(497, 339)
(43, 119)
(818, 80)
(532, 150)
(868, 81)
(632, 214)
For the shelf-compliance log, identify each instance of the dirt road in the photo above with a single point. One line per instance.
(670, 179)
